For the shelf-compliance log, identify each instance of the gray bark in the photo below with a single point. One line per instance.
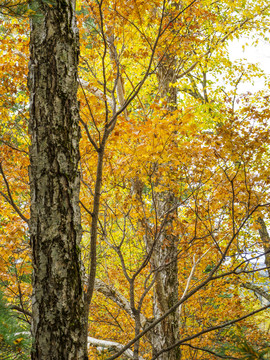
(164, 258)
(167, 76)
(164, 262)
(265, 242)
(107, 344)
(257, 290)
(59, 322)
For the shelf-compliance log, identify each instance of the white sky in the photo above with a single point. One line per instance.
(258, 55)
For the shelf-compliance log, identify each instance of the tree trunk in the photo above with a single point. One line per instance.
(265, 242)
(59, 322)
(164, 259)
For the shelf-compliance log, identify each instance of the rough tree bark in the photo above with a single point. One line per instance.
(164, 258)
(265, 242)
(166, 286)
(59, 322)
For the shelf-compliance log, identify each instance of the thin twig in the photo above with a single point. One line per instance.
(9, 198)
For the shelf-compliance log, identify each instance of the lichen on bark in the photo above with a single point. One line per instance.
(59, 322)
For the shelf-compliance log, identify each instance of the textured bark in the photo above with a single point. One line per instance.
(257, 290)
(110, 292)
(164, 258)
(265, 241)
(164, 262)
(112, 345)
(167, 77)
(59, 322)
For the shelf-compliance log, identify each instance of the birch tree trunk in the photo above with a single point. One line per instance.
(166, 287)
(164, 258)
(265, 242)
(59, 322)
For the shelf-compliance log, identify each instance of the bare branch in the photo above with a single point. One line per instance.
(21, 310)
(9, 197)
(211, 352)
(13, 147)
(257, 290)
(208, 279)
(97, 92)
(111, 293)
(213, 328)
(110, 344)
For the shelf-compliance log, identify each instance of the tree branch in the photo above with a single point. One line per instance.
(21, 310)
(9, 198)
(258, 290)
(110, 344)
(211, 352)
(187, 296)
(213, 328)
(113, 294)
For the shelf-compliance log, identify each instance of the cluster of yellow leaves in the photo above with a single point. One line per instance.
(15, 268)
(212, 158)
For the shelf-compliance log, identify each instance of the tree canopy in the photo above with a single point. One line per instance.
(171, 253)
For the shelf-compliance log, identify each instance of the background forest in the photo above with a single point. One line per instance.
(174, 180)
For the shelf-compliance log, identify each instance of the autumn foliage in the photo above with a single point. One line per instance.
(175, 156)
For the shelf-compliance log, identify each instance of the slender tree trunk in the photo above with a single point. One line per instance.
(164, 259)
(265, 242)
(59, 321)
